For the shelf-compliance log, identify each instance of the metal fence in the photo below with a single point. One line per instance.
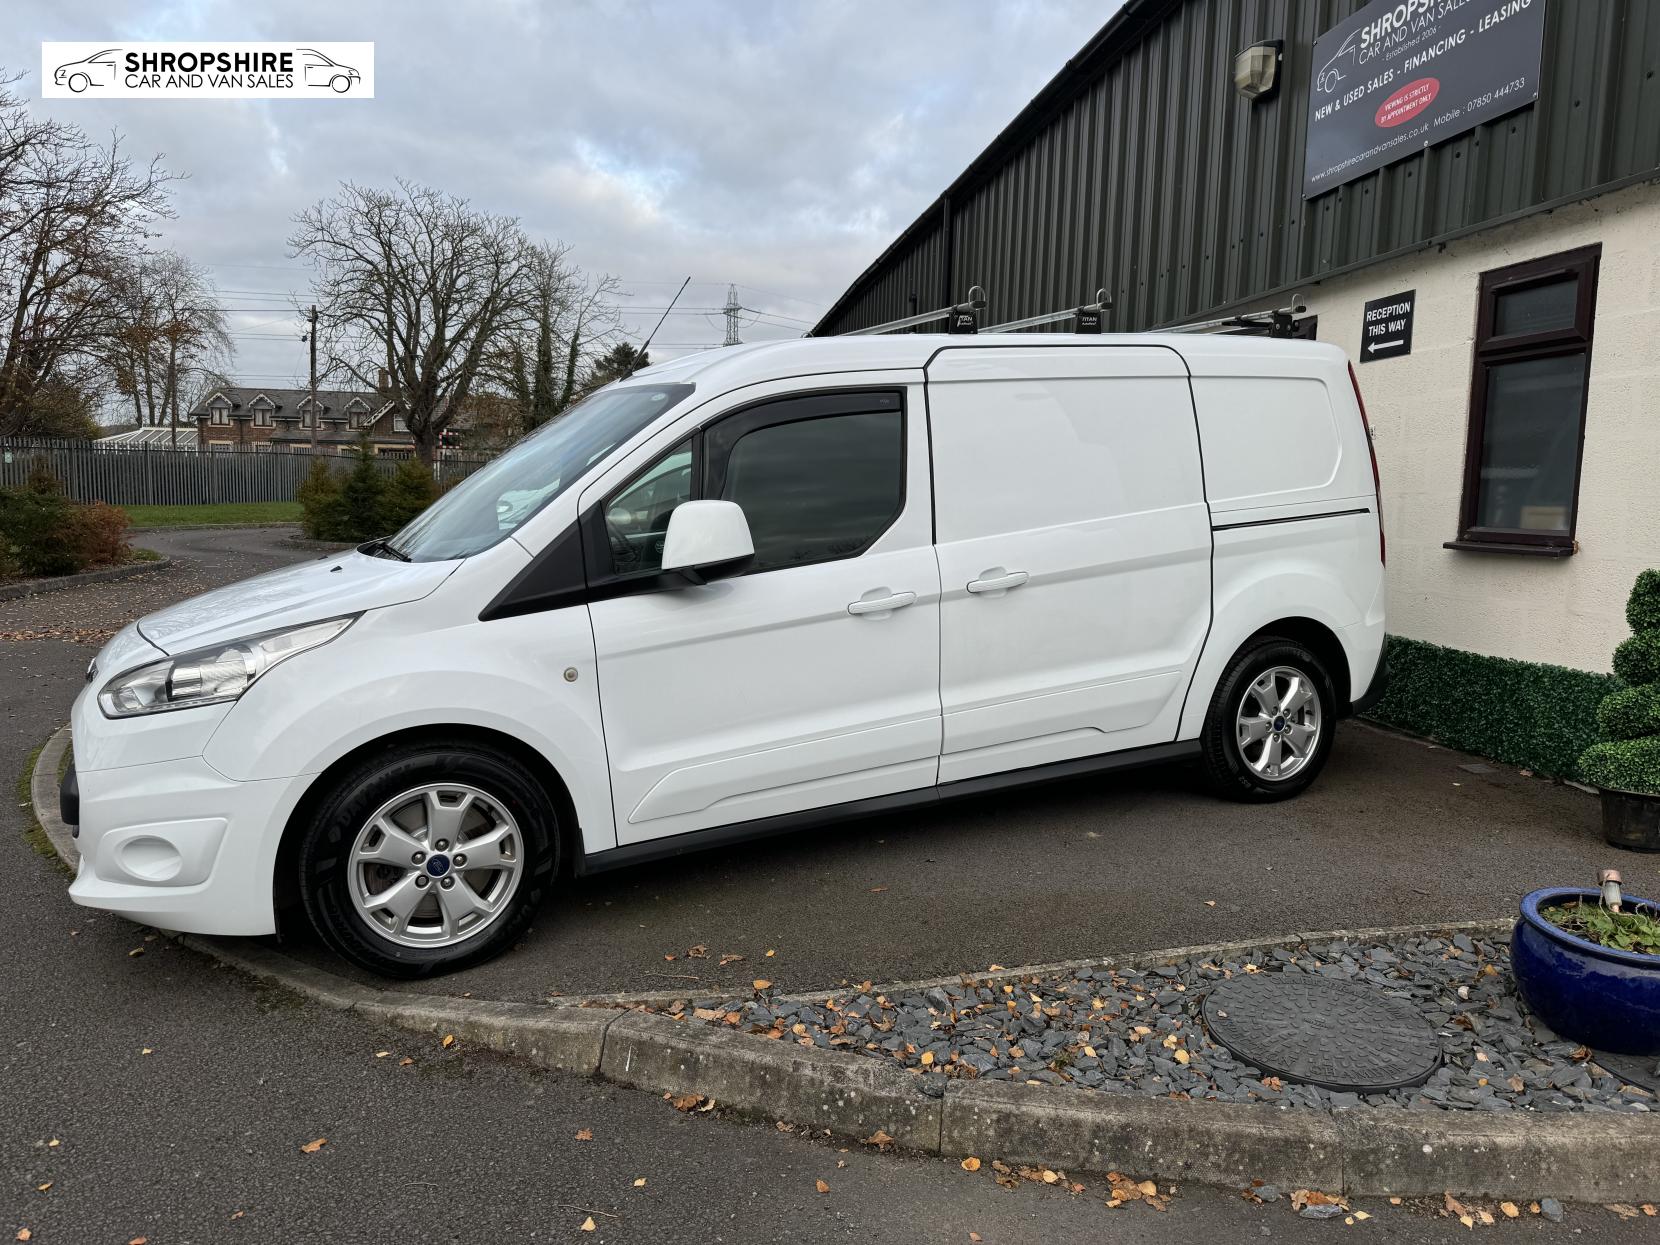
(144, 475)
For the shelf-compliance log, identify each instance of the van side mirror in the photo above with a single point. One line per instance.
(707, 540)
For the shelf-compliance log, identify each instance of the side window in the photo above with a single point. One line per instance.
(637, 517)
(817, 489)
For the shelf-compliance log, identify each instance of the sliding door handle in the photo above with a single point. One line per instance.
(998, 580)
(883, 604)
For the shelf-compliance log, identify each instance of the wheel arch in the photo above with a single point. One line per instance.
(285, 875)
(1318, 639)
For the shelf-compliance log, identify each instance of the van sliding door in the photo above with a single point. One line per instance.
(1074, 545)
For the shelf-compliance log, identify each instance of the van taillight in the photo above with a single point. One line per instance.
(1377, 480)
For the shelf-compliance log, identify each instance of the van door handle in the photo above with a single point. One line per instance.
(998, 580)
(881, 605)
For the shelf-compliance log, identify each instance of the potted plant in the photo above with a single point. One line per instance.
(1625, 767)
(1590, 969)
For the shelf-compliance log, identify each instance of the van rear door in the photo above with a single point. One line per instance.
(1074, 546)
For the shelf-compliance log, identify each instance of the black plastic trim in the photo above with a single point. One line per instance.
(1294, 518)
(1497, 546)
(767, 827)
(69, 800)
(1374, 690)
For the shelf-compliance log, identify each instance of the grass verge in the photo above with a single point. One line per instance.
(32, 831)
(230, 513)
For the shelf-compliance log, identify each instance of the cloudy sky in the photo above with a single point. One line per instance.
(778, 146)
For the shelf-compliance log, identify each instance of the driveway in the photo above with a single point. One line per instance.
(157, 1095)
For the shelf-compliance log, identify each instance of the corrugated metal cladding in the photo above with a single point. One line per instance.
(1142, 170)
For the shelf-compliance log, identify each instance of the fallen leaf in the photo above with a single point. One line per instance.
(877, 890)
(1210, 903)
(971, 1164)
(311, 1147)
(927, 1058)
(761, 983)
(145, 1051)
(1147, 1188)
(1510, 1210)
(382, 1054)
(139, 1240)
(1623, 1210)
(974, 1236)
(1648, 1209)
(709, 1105)
(584, 1134)
(238, 1214)
(1048, 1176)
(699, 952)
(1394, 1201)
(23, 1234)
(1361, 1216)
(1486, 1217)
(1467, 1221)
(406, 1061)
(136, 951)
(53, 1144)
(449, 1041)
(730, 959)
(821, 1186)
(684, 1102)
(770, 954)
(640, 1183)
(879, 1139)
(1182, 1057)
(588, 1224)
(1517, 1085)
(1452, 1205)
(41, 1188)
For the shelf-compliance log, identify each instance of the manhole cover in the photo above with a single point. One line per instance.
(1334, 1034)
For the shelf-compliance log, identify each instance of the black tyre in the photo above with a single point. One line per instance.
(426, 859)
(1271, 723)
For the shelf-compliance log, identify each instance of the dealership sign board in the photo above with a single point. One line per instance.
(1402, 74)
(207, 69)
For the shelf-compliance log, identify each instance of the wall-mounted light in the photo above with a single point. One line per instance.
(1256, 70)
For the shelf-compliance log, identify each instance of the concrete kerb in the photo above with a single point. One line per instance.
(1359, 1152)
(59, 583)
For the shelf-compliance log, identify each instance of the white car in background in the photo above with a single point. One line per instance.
(741, 593)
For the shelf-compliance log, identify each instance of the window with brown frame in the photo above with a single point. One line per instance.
(1527, 405)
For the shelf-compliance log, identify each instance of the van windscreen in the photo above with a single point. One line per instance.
(498, 498)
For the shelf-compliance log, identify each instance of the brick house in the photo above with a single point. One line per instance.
(263, 417)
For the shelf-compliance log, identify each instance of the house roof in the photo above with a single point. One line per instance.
(289, 400)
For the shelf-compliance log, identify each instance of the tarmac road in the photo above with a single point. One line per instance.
(179, 1094)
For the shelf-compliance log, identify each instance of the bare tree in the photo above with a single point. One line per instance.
(418, 282)
(174, 336)
(72, 214)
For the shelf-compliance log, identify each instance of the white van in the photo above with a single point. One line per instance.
(743, 592)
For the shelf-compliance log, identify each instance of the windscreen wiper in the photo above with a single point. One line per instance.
(382, 546)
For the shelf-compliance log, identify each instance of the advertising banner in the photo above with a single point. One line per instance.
(1401, 75)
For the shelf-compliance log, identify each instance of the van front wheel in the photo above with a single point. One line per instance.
(1270, 725)
(426, 859)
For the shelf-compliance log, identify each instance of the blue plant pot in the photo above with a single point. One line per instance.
(1603, 998)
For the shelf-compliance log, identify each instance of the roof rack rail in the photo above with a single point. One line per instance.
(1090, 317)
(963, 317)
(1276, 323)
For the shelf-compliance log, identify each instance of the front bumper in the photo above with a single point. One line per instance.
(178, 845)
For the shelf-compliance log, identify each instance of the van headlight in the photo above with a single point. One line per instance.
(210, 676)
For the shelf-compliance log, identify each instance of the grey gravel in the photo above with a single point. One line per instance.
(1125, 1030)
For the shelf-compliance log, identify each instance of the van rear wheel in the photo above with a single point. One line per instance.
(426, 859)
(1270, 725)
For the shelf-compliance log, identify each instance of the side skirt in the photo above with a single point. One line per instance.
(787, 823)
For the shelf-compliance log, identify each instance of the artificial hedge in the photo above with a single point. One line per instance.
(1519, 712)
(1629, 758)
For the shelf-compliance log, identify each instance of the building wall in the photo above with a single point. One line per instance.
(1143, 171)
(1564, 611)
